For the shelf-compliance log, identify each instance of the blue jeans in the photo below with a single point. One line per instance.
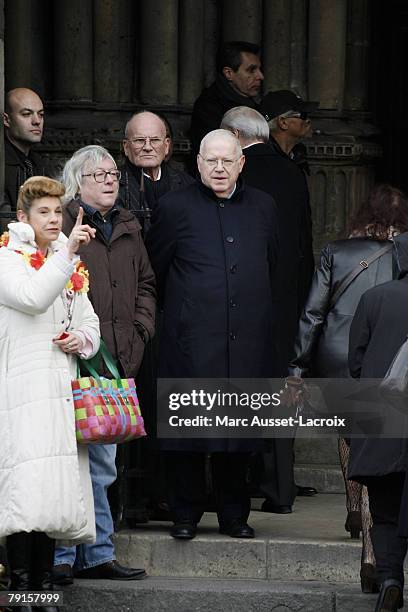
(103, 473)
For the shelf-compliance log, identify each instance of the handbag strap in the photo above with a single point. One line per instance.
(90, 364)
(363, 265)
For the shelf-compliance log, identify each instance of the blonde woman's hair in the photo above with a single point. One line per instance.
(38, 187)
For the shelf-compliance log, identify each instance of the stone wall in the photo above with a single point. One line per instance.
(96, 61)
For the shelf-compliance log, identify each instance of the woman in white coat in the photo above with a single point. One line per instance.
(46, 320)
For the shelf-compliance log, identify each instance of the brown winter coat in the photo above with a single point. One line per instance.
(122, 286)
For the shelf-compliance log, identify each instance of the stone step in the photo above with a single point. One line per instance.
(309, 544)
(325, 478)
(214, 595)
(320, 451)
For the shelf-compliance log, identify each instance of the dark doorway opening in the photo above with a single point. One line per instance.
(389, 87)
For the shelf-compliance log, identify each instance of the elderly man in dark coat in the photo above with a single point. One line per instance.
(378, 330)
(146, 174)
(275, 173)
(213, 247)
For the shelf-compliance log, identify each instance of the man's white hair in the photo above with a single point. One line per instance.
(274, 124)
(220, 134)
(84, 160)
(251, 125)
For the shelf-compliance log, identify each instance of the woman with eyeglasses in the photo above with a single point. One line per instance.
(346, 270)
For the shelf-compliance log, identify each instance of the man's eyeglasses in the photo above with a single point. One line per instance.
(141, 142)
(225, 163)
(100, 175)
(301, 115)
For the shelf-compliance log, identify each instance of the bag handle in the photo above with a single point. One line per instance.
(363, 265)
(108, 360)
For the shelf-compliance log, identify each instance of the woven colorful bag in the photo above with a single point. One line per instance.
(106, 411)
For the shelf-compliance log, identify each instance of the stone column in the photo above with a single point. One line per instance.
(128, 35)
(242, 20)
(357, 55)
(276, 48)
(73, 62)
(159, 52)
(211, 38)
(327, 52)
(191, 50)
(106, 19)
(26, 45)
(298, 72)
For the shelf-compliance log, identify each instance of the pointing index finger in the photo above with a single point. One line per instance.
(79, 217)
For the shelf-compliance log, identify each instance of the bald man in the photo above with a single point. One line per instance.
(146, 175)
(213, 247)
(23, 126)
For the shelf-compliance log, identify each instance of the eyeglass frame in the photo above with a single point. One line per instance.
(111, 173)
(145, 139)
(232, 161)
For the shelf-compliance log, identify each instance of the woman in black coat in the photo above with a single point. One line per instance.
(322, 343)
(378, 329)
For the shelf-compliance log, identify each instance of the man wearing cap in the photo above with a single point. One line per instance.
(287, 116)
(238, 83)
(272, 167)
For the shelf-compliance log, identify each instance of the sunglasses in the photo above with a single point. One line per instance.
(301, 115)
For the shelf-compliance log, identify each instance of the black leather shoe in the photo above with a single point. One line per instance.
(62, 574)
(184, 530)
(268, 506)
(390, 597)
(237, 529)
(111, 570)
(306, 491)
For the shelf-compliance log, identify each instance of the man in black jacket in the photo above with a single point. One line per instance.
(268, 169)
(146, 175)
(238, 83)
(23, 125)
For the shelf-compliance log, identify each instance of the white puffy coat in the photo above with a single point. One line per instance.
(44, 478)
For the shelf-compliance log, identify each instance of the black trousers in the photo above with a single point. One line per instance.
(187, 487)
(272, 472)
(384, 494)
(32, 554)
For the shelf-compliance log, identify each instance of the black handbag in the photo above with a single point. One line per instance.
(395, 382)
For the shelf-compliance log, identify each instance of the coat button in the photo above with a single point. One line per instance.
(114, 283)
(222, 204)
(233, 336)
(229, 239)
(115, 319)
(233, 269)
(233, 304)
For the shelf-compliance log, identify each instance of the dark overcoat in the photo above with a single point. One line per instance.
(130, 195)
(15, 173)
(210, 107)
(268, 168)
(214, 262)
(378, 329)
